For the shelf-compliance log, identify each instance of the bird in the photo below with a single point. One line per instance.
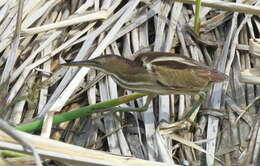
(156, 73)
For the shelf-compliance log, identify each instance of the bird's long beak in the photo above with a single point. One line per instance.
(86, 63)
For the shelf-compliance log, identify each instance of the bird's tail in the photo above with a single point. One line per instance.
(217, 76)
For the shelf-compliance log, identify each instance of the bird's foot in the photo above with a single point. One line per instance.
(192, 125)
(185, 124)
(119, 109)
(112, 111)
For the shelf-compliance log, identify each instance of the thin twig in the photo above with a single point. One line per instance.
(247, 108)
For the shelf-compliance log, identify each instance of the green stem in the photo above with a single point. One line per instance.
(8, 153)
(87, 110)
(197, 17)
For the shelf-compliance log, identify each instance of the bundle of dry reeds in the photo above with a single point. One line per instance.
(40, 96)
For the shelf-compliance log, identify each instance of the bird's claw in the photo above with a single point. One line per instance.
(192, 125)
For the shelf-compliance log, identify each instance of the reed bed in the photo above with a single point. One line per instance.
(53, 103)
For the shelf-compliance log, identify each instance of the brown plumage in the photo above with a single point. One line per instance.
(156, 73)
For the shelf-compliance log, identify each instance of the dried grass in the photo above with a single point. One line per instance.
(46, 32)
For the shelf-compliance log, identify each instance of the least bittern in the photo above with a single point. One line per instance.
(156, 73)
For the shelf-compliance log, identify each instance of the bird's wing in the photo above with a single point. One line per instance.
(178, 71)
(163, 58)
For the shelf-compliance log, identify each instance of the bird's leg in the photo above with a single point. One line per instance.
(195, 106)
(187, 121)
(113, 110)
(202, 96)
(108, 114)
(131, 109)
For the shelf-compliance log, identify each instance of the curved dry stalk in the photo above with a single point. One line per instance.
(25, 143)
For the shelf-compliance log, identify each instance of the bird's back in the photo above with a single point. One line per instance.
(179, 72)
